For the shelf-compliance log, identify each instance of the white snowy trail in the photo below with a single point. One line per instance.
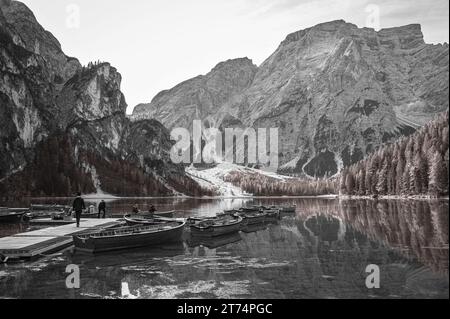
(214, 178)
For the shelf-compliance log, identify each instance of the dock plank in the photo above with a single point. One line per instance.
(34, 243)
(21, 242)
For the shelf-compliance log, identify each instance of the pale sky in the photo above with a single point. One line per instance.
(156, 44)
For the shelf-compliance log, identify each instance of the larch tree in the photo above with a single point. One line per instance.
(438, 176)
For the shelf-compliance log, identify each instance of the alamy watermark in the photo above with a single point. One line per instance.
(373, 281)
(73, 280)
(233, 145)
(373, 19)
(73, 19)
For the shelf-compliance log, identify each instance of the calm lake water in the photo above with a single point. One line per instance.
(321, 252)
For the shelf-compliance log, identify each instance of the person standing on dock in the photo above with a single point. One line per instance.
(102, 209)
(152, 211)
(78, 207)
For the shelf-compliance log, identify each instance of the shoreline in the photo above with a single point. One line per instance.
(329, 197)
(394, 197)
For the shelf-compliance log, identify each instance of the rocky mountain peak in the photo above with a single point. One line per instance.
(200, 97)
(34, 38)
(63, 127)
(414, 29)
(24, 21)
(231, 64)
(402, 37)
(405, 37)
(335, 91)
(92, 94)
(320, 31)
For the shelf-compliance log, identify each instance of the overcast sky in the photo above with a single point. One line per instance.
(156, 44)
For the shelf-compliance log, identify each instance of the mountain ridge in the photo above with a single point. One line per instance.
(64, 126)
(336, 92)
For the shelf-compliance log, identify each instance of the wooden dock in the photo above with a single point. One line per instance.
(49, 240)
(50, 222)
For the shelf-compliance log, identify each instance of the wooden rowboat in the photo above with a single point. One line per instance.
(135, 220)
(130, 237)
(46, 211)
(215, 227)
(252, 218)
(287, 209)
(9, 216)
(49, 208)
(249, 216)
(282, 209)
(253, 209)
(168, 214)
(272, 214)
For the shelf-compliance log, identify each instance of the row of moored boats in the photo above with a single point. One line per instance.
(152, 230)
(54, 212)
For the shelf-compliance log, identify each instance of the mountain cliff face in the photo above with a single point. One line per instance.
(27, 90)
(335, 91)
(64, 127)
(200, 97)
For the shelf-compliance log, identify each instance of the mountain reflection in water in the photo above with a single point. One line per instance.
(321, 252)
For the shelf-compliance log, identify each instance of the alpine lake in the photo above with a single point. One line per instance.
(325, 250)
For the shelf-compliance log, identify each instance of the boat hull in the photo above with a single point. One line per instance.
(272, 215)
(288, 210)
(253, 220)
(49, 208)
(217, 231)
(138, 220)
(249, 217)
(11, 216)
(104, 244)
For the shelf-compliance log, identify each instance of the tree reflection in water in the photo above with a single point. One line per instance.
(321, 252)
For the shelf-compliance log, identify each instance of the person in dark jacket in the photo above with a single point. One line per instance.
(102, 209)
(78, 207)
(152, 211)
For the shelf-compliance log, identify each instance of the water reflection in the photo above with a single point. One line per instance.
(214, 242)
(321, 252)
(417, 229)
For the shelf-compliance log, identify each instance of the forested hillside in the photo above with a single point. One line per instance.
(411, 166)
(414, 165)
(262, 185)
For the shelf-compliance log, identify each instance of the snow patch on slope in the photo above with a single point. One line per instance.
(113, 143)
(99, 193)
(13, 172)
(292, 164)
(95, 179)
(166, 185)
(213, 178)
(94, 93)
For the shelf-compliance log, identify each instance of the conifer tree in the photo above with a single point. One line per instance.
(350, 184)
(438, 176)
